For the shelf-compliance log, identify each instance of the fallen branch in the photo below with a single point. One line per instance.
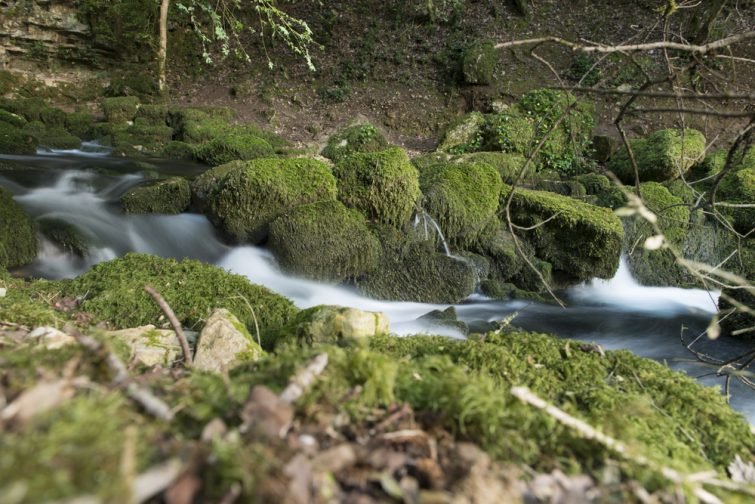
(304, 378)
(121, 379)
(188, 359)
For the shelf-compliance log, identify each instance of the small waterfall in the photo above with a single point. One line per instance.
(422, 218)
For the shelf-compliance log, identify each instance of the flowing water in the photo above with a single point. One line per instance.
(83, 187)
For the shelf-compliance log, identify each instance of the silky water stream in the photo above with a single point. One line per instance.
(83, 188)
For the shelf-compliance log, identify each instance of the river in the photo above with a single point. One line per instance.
(83, 187)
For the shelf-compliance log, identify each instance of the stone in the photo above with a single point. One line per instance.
(224, 342)
(462, 133)
(331, 323)
(150, 346)
(51, 338)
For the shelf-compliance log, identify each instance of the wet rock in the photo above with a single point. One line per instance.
(332, 323)
(224, 342)
(445, 319)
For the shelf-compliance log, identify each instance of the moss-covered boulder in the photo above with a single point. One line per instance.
(57, 138)
(246, 200)
(738, 188)
(580, 240)
(509, 131)
(478, 63)
(12, 119)
(324, 241)
(657, 267)
(662, 155)
(411, 270)
(383, 185)
(507, 164)
(464, 134)
(17, 235)
(80, 124)
(120, 109)
(462, 198)
(357, 138)
(167, 196)
(114, 292)
(180, 151)
(65, 235)
(15, 140)
(233, 146)
(205, 183)
(153, 114)
(332, 324)
(141, 137)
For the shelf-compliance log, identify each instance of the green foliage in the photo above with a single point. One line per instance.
(509, 131)
(324, 241)
(581, 240)
(357, 138)
(114, 292)
(507, 164)
(15, 140)
(464, 134)
(567, 145)
(80, 124)
(414, 271)
(246, 200)
(14, 120)
(462, 198)
(663, 155)
(120, 109)
(583, 69)
(233, 146)
(27, 303)
(16, 232)
(168, 196)
(384, 185)
(478, 63)
(738, 187)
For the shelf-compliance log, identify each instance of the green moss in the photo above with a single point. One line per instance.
(478, 63)
(53, 117)
(580, 240)
(80, 124)
(509, 131)
(507, 164)
(659, 156)
(464, 134)
(12, 119)
(114, 292)
(178, 150)
(57, 138)
(28, 303)
(195, 126)
(462, 198)
(324, 241)
(204, 184)
(14, 140)
(65, 235)
(16, 232)
(62, 455)
(233, 146)
(357, 138)
(168, 196)
(142, 136)
(120, 109)
(738, 187)
(384, 185)
(499, 247)
(29, 108)
(248, 199)
(414, 271)
(153, 114)
(566, 148)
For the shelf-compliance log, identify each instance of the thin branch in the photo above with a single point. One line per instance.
(692, 111)
(657, 94)
(188, 359)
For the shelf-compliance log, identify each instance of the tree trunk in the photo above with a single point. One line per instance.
(162, 54)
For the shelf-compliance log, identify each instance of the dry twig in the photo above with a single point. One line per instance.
(168, 311)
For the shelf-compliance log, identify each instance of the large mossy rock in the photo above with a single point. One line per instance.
(18, 240)
(120, 109)
(662, 155)
(114, 292)
(233, 146)
(225, 343)
(246, 200)
(507, 164)
(324, 241)
(738, 188)
(462, 198)
(580, 240)
(463, 134)
(14, 140)
(415, 271)
(512, 130)
(65, 235)
(168, 196)
(383, 185)
(333, 324)
(55, 138)
(204, 184)
(357, 138)
(478, 63)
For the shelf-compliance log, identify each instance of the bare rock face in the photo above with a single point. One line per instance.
(150, 346)
(224, 342)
